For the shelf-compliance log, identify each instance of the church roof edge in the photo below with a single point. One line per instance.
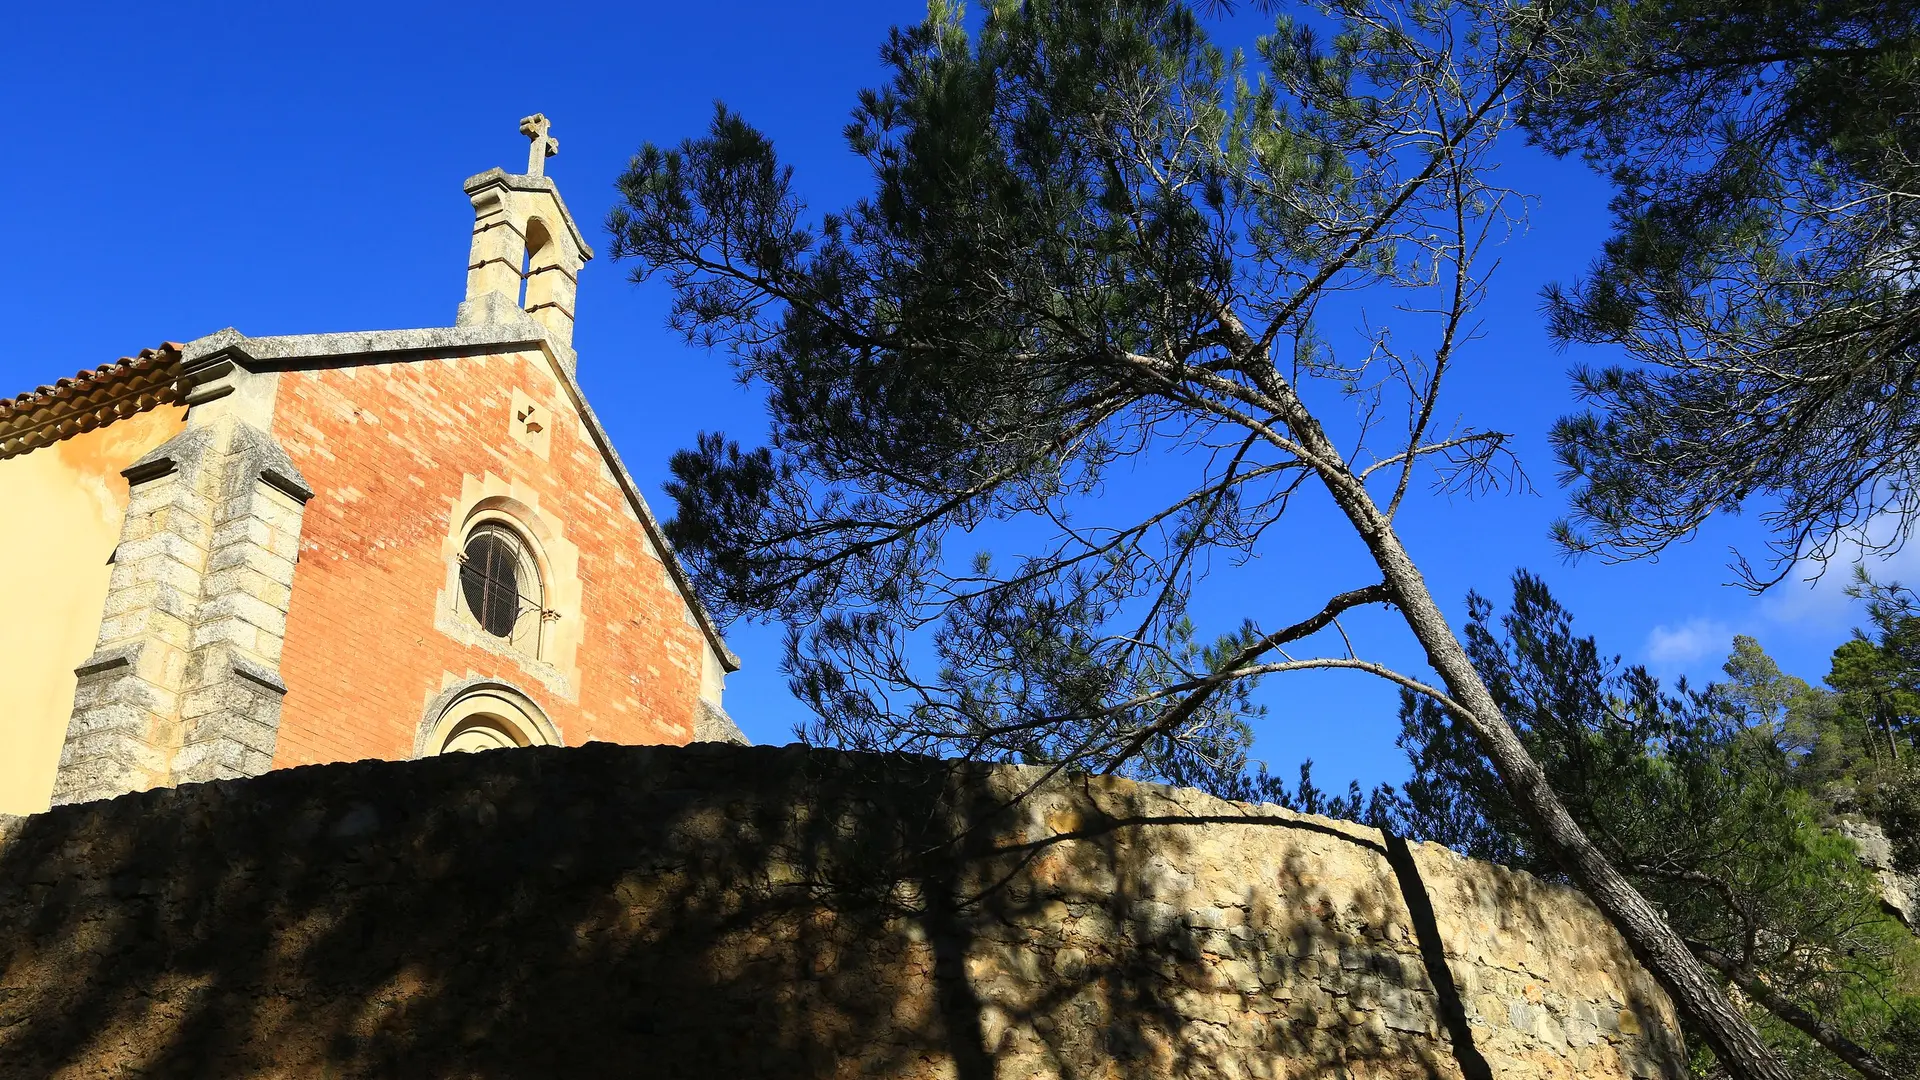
(292, 350)
(289, 348)
(164, 375)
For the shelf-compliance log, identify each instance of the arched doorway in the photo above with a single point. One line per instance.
(483, 716)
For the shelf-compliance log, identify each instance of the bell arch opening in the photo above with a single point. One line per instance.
(540, 255)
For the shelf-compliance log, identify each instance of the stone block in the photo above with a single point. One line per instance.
(127, 691)
(158, 500)
(219, 758)
(250, 582)
(275, 509)
(145, 624)
(246, 530)
(235, 505)
(87, 779)
(230, 631)
(210, 699)
(96, 755)
(230, 580)
(158, 596)
(120, 730)
(253, 557)
(163, 570)
(187, 550)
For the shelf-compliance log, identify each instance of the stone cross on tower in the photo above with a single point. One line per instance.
(527, 252)
(544, 146)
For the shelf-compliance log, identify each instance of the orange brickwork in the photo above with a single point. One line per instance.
(391, 451)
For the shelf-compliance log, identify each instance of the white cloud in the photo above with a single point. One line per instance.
(1671, 649)
(1815, 600)
(1799, 620)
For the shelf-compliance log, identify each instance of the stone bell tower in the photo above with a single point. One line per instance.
(527, 251)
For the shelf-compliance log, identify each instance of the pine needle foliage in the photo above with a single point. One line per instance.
(1710, 801)
(1761, 275)
(1096, 241)
(1094, 237)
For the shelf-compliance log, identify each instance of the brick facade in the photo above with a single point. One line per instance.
(286, 588)
(379, 544)
(396, 453)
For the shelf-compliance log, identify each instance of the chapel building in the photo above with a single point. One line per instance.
(249, 553)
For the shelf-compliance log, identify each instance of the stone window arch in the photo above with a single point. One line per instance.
(506, 560)
(502, 589)
(477, 715)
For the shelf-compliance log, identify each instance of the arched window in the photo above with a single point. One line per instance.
(500, 586)
(511, 584)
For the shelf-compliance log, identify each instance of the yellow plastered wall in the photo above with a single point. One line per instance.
(61, 508)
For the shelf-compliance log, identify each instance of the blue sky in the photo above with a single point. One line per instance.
(175, 169)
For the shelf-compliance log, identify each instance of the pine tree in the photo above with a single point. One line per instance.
(1761, 275)
(1096, 240)
(1700, 797)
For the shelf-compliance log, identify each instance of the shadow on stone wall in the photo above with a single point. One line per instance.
(716, 911)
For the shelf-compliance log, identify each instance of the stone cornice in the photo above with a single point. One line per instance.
(170, 374)
(363, 346)
(519, 182)
(203, 359)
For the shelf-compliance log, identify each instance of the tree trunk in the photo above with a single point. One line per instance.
(1697, 995)
(1647, 933)
(1859, 1057)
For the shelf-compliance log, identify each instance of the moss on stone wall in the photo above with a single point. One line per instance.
(720, 911)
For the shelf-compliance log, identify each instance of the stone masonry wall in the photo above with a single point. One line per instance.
(718, 911)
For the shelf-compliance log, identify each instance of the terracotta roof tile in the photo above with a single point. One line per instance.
(90, 398)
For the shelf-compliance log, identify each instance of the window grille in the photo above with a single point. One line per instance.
(501, 586)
